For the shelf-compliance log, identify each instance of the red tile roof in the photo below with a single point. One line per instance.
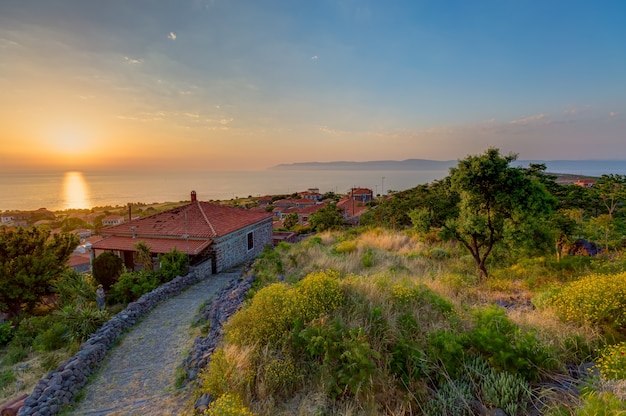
(197, 220)
(157, 245)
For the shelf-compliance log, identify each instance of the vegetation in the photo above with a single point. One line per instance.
(30, 261)
(65, 315)
(397, 320)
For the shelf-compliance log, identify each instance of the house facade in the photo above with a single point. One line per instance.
(223, 235)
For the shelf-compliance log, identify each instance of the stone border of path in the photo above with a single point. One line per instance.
(59, 387)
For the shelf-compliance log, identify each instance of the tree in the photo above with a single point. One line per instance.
(107, 267)
(291, 220)
(31, 260)
(143, 256)
(611, 189)
(327, 218)
(497, 203)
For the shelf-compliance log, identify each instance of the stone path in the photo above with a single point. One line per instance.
(138, 376)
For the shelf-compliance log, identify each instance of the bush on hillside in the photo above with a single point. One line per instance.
(131, 285)
(595, 299)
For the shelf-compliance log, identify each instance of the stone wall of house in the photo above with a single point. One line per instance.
(232, 249)
(58, 388)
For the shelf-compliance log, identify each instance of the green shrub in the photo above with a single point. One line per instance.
(106, 269)
(29, 328)
(281, 375)
(506, 391)
(346, 357)
(75, 288)
(52, 338)
(172, 264)
(267, 267)
(14, 354)
(345, 247)
(273, 311)
(131, 285)
(595, 299)
(507, 346)
(438, 254)
(448, 349)
(317, 294)
(228, 405)
(6, 333)
(265, 320)
(81, 322)
(367, 260)
(6, 378)
(452, 398)
(612, 362)
(601, 404)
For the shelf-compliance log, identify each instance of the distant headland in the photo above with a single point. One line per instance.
(588, 167)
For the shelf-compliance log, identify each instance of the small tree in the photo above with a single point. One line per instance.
(327, 218)
(107, 267)
(143, 256)
(291, 220)
(611, 189)
(30, 261)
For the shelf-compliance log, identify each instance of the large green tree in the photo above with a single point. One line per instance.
(30, 262)
(497, 203)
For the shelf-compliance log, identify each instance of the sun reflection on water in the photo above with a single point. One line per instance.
(75, 191)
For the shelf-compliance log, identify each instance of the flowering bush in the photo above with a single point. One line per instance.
(274, 310)
(595, 299)
(317, 294)
(228, 405)
(612, 362)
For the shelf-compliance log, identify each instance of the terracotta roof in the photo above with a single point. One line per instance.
(197, 220)
(157, 245)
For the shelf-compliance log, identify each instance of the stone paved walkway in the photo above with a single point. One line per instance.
(138, 376)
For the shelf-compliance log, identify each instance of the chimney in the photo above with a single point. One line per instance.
(193, 196)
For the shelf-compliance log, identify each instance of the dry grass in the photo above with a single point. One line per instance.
(30, 371)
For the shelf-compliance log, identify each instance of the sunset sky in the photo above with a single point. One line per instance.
(238, 84)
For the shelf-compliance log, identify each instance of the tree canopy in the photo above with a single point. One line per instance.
(497, 202)
(327, 218)
(30, 262)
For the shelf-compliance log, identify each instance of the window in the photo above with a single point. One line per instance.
(250, 240)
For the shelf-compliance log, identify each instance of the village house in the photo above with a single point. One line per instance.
(223, 235)
(15, 218)
(311, 193)
(585, 183)
(361, 194)
(112, 220)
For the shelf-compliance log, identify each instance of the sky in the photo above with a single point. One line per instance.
(248, 84)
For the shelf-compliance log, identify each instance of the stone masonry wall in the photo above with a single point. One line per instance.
(232, 249)
(58, 388)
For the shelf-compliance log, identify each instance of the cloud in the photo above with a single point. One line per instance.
(314, 58)
(132, 61)
(172, 36)
(6, 43)
(613, 114)
(528, 120)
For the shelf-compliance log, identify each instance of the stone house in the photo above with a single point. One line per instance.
(225, 235)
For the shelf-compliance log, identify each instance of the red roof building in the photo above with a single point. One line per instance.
(204, 231)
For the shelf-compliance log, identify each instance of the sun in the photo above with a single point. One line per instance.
(70, 141)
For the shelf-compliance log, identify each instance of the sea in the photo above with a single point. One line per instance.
(73, 189)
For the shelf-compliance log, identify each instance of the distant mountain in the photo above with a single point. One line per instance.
(409, 164)
(576, 167)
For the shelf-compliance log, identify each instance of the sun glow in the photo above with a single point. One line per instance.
(75, 191)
